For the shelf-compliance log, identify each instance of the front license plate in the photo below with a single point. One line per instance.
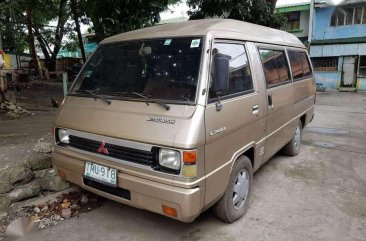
(103, 174)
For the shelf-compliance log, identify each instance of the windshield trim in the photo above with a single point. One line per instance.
(180, 102)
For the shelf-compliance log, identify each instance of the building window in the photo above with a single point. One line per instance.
(358, 15)
(362, 66)
(275, 66)
(348, 16)
(293, 21)
(325, 63)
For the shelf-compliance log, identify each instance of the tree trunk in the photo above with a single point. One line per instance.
(77, 28)
(42, 43)
(32, 47)
(59, 34)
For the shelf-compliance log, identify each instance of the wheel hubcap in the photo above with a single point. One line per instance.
(297, 137)
(241, 188)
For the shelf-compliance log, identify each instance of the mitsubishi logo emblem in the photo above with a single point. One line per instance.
(102, 148)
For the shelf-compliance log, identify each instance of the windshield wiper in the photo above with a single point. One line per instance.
(96, 96)
(162, 104)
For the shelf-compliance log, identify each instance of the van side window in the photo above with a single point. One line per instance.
(275, 66)
(300, 66)
(240, 79)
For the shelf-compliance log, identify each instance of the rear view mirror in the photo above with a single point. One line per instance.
(221, 72)
(145, 51)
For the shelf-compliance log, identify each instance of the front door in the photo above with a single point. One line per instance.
(349, 71)
(233, 120)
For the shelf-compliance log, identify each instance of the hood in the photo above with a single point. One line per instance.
(129, 120)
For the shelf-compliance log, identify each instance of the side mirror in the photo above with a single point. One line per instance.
(221, 71)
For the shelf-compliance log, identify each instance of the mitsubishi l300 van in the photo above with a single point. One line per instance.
(176, 118)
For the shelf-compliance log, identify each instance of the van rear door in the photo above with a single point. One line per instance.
(279, 98)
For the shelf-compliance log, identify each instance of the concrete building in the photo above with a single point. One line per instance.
(338, 44)
(297, 13)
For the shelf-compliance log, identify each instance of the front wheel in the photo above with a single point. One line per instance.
(293, 147)
(234, 203)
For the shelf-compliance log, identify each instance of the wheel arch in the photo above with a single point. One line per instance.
(303, 120)
(248, 151)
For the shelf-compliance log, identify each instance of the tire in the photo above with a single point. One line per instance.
(228, 208)
(293, 147)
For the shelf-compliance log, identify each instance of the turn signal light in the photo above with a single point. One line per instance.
(169, 211)
(189, 157)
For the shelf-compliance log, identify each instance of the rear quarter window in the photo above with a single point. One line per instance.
(275, 67)
(300, 66)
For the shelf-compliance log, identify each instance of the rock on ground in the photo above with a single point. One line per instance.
(66, 213)
(25, 191)
(12, 115)
(3, 216)
(10, 175)
(5, 185)
(7, 106)
(48, 180)
(19, 174)
(43, 147)
(38, 161)
(4, 204)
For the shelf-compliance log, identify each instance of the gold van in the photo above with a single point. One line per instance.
(176, 118)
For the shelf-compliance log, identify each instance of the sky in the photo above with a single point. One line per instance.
(290, 2)
(177, 10)
(180, 9)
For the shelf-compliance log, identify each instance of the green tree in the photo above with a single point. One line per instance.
(33, 19)
(254, 11)
(77, 12)
(50, 38)
(110, 17)
(30, 19)
(13, 34)
(28, 5)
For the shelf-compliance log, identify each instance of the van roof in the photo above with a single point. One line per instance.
(249, 31)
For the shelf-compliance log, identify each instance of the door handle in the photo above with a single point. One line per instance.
(270, 103)
(255, 109)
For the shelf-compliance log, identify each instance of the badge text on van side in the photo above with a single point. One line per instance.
(161, 120)
(215, 132)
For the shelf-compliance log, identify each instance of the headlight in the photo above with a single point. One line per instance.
(63, 136)
(169, 158)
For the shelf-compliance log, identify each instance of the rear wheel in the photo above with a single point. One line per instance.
(293, 147)
(234, 203)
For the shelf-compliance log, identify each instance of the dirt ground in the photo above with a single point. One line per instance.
(318, 195)
(18, 136)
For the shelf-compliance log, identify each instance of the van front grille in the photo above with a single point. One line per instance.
(115, 151)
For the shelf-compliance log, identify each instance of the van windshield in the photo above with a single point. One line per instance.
(164, 69)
